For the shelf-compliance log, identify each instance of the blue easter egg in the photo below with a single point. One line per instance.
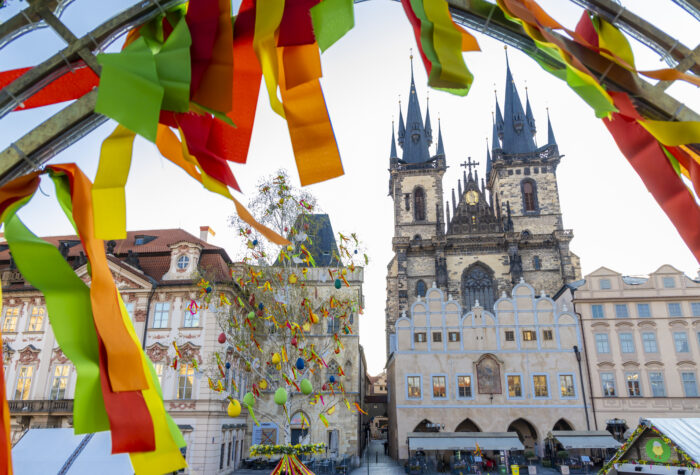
(300, 363)
(228, 365)
(337, 283)
(332, 379)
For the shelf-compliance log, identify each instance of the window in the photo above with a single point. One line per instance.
(540, 384)
(626, 343)
(674, 309)
(420, 288)
(439, 387)
(608, 384)
(605, 284)
(437, 337)
(601, 343)
(695, 307)
(547, 334)
(669, 282)
(529, 199)
(597, 311)
(161, 314)
(130, 309)
(419, 204)
(183, 262)
(536, 263)
(333, 325)
(529, 335)
(633, 387)
(621, 310)
(656, 381)
(464, 386)
(453, 336)
(36, 319)
(643, 310)
(60, 381)
(477, 285)
(192, 320)
(185, 381)
(419, 337)
(566, 385)
(514, 386)
(24, 382)
(414, 387)
(11, 316)
(649, 342)
(690, 386)
(680, 339)
(158, 368)
(510, 335)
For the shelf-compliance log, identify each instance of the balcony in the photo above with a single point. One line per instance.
(27, 407)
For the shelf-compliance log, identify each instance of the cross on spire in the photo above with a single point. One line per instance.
(469, 164)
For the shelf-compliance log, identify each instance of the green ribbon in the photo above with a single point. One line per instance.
(331, 19)
(70, 313)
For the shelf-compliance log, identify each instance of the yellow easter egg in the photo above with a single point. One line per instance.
(306, 326)
(263, 384)
(293, 279)
(290, 248)
(314, 318)
(275, 358)
(234, 408)
(278, 366)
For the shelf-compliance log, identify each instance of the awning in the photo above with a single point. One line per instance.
(586, 439)
(464, 441)
(684, 432)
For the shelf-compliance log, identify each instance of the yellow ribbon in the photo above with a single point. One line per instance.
(268, 15)
(109, 201)
(673, 133)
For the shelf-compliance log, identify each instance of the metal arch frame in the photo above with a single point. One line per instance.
(78, 119)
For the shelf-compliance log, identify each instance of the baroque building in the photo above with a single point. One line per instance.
(642, 339)
(479, 240)
(156, 272)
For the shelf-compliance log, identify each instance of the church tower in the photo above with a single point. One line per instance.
(415, 185)
(499, 229)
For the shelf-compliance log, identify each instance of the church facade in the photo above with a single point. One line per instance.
(478, 240)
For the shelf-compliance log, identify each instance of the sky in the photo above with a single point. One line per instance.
(615, 220)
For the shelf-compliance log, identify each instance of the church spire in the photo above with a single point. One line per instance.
(440, 147)
(550, 132)
(415, 149)
(428, 128)
(495, 142)
(393, 153)
(517, 133)
(402, 128)
(488, 160)
(528, 113)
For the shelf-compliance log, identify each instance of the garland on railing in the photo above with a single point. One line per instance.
(299, 449)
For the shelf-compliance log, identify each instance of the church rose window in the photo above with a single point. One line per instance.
(477, 285)
(419, 204)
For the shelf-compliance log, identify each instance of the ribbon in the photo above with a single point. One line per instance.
(203, 22)
(315, 149)
(331, 19)
(267, 19)
(69, 86)
(133, 70)
(214, 91)
(109, 201)
(173, 67)
(649, 160)
(123, 354)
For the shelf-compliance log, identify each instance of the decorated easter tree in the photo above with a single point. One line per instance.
(289, 311)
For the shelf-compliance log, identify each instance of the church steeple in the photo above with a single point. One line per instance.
(415, 145)
(440, 147)
(550, 132)
(393, 153)
(428, 128)
(402, 128)
(528, 113)
(498, 125)
(517, 132)
(489, 163)
(495, 142)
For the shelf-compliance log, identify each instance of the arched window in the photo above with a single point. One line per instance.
(477, 285)
(419, 204)
(529, 190)
(536, 263)
(420, 288)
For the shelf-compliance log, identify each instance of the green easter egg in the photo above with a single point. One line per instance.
(280, 396)
(306, 386)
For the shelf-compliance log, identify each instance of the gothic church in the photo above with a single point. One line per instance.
(477, 242)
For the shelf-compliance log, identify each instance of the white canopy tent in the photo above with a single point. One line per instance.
(586, 439)
(61, 451)
(463, 441)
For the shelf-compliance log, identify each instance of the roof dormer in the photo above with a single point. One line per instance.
(184, 260)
